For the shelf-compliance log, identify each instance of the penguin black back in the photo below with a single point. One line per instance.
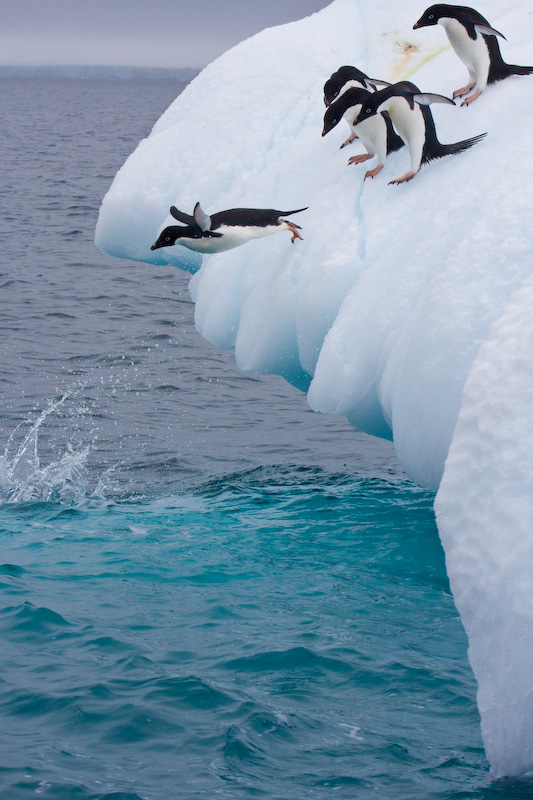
(260, 217)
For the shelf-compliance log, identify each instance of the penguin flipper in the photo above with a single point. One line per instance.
(375, 83)
(201, 219)
(487, 30)
(425, 98)
(181, 216)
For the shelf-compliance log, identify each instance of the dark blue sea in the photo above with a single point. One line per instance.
(207, 590)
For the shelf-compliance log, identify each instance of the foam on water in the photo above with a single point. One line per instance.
(23, 478)
(28, 477)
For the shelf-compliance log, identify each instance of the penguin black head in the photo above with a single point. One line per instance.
(352, 98)
(332, 117)
(430, 16)
(169, 236)
(368, 109)
(434, 14)
(339, 79)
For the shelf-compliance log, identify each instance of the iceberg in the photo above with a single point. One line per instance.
(406, 308)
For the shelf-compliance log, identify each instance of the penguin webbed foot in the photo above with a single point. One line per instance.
(464, 90)
(371, 173)
(404, 178)
(349, 140)
(360, 159)
(466, 102)
(295, 231)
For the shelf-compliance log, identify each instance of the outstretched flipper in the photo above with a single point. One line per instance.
(426, 98)
(197, 221)
(181, 216)
(488, 30)
(376, 84)
(202, 219)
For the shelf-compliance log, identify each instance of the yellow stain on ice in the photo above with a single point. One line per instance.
(411, 59)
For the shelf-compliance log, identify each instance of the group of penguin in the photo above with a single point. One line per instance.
(384, 116)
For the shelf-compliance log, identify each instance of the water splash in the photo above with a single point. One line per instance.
(24, 479)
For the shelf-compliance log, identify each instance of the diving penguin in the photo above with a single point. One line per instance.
(225, 229)
(475, 42)
(376, 133)
(413, 120)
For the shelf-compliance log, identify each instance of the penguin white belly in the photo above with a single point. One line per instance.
(410, 125)
(232, 236)
(373, 134)
(473, 53)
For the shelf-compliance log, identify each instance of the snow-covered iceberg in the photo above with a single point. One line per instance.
(406, 308)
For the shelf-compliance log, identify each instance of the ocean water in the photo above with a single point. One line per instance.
(207, 590)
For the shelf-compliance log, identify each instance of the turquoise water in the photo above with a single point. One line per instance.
(275, 633)
(207, 590)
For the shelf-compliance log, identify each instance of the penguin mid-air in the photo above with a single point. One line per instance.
(376, 133)
(347, 78)
(475, 42)
(413, 120)
(226, 229)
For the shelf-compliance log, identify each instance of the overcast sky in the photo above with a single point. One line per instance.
(156, 33)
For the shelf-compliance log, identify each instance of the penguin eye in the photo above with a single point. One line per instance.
(368, 110)
(431, 16)
(167, 238)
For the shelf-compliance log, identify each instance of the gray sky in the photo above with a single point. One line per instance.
(156, 33)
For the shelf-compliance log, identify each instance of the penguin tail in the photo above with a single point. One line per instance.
(288, 213)
(450, 149)
(516, 70)
(499, 70)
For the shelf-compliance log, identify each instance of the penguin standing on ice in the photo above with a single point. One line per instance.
(376, 133)
(224, 230)
(348, 78)
(475, 42)
(413, 120)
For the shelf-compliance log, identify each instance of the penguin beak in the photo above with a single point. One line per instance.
(417, 25)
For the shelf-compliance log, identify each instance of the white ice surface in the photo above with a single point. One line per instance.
(485, 516)
(390, 303)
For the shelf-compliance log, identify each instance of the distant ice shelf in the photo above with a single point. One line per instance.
(405, 307)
